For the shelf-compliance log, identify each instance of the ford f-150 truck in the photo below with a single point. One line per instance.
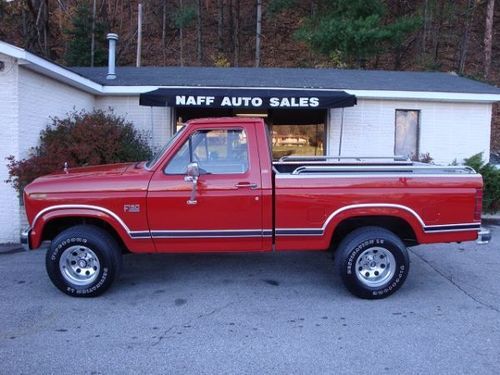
(215, 188)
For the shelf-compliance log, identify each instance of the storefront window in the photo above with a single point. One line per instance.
(298, 140)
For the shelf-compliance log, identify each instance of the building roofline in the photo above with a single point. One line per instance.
(361, 94)
(65, 75)
(49, 68)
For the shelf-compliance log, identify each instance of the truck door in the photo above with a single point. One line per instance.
(224, 213)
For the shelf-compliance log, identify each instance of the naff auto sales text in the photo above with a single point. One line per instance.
(246, 101)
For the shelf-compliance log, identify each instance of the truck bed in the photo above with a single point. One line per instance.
(314, 194)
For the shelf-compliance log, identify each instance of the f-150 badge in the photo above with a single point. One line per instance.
(132, 208)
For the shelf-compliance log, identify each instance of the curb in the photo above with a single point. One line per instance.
(10, 248)
(491, 219)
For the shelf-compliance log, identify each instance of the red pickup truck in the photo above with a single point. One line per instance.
(214, 188)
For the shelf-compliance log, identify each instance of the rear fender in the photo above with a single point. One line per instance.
(360, 210)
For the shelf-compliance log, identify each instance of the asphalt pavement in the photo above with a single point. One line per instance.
(284, 313)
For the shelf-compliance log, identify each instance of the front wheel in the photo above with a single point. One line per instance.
(83, 261)
(372, 262)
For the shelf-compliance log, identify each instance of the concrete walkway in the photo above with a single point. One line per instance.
(281, 313)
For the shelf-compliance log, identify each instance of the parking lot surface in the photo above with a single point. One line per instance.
(284, 313)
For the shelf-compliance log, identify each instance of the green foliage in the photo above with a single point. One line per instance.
(354, 29)
(475, 161)
(220, 60)
(80, 139)
(491, 180)
(337, 59)
(184, 16)
(276, 6)
(78, 52)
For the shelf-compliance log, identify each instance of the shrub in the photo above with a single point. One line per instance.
(422, 158)
(491, 179)
(82, 138)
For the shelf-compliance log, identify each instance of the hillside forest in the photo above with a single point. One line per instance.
(458, 36)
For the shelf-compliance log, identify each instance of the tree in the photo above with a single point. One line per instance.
(183, 18)
(220, 26)
(258, 32)
(276, 6)
(39, 10)
(199, 33)
(488, 37)
(235, 23)
(79, 51)
(469, 14)
(354, 30)
(164, 31)
(92, 41)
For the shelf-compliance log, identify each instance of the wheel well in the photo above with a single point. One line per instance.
(56, 226)
(398, 226)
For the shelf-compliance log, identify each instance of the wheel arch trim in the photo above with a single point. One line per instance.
(374, 205)
(109, 213)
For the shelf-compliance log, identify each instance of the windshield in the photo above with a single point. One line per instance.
(164, 148)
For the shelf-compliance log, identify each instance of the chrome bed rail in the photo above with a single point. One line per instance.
(417, 169)
(396, 158)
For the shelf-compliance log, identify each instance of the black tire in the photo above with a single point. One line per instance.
(89, 247)
(361, 265)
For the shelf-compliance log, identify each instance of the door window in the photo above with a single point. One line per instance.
(217, 151)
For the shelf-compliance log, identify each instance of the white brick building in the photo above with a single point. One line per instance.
(447, 116)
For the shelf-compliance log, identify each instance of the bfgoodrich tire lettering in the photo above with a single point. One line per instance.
(83, 261)
(372, 262)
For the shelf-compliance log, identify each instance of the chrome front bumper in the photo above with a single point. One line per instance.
(25, 238)
(483, 236)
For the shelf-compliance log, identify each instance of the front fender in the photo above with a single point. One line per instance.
(76, 211)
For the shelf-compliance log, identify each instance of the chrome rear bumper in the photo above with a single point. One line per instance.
(25, 238)
(483, 236)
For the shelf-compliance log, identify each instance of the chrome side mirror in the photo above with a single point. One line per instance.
(193, 170)
(192, 174)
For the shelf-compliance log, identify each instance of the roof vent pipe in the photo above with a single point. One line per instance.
(111, 55)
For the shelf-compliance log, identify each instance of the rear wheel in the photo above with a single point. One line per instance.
(372, 262)
(83, 261)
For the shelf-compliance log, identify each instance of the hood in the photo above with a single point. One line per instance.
(98, 178)
(94, 170)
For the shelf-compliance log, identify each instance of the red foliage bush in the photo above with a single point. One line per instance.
(82, 138)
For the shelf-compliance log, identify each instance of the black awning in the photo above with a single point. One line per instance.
(246, 98)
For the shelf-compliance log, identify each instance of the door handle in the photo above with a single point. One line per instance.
(246, 185)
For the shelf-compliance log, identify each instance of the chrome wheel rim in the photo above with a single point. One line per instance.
(79, 265)
(375, 267)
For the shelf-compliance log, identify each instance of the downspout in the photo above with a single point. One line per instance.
(341, 132)
(152, 132)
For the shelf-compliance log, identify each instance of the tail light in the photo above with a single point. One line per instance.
(478, 207)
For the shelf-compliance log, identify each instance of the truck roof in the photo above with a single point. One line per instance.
(225, 120)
